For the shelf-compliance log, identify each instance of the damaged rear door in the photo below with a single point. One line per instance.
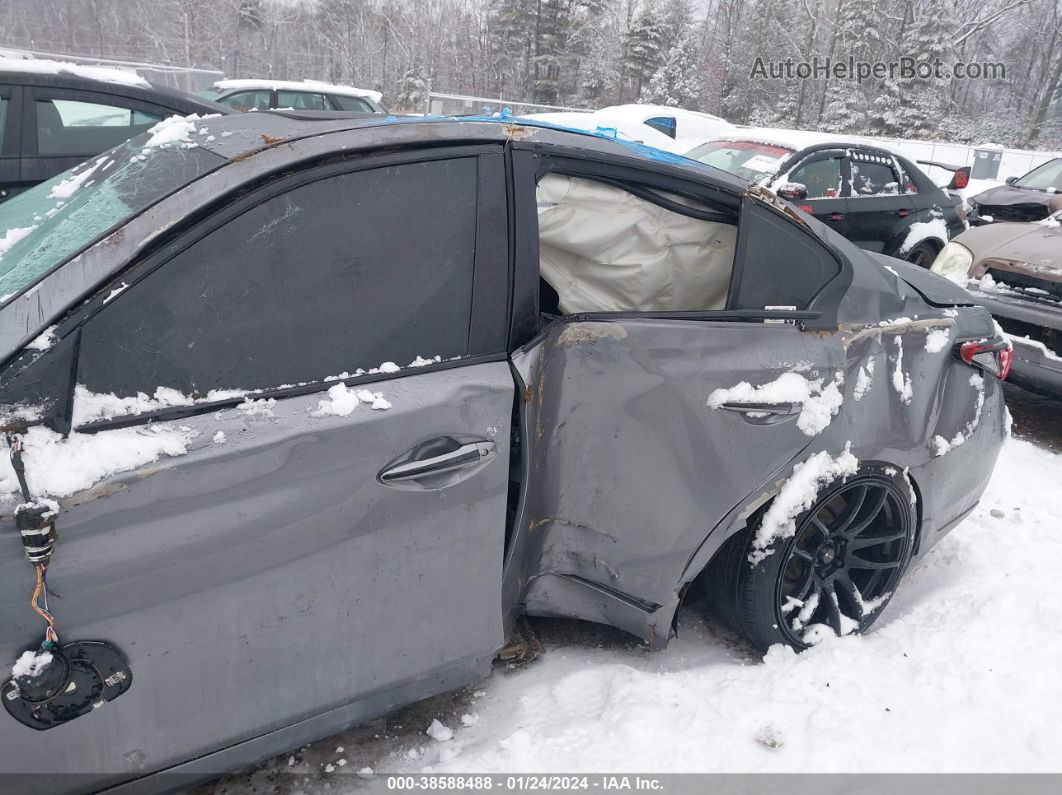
(640, 438)
(284, 497)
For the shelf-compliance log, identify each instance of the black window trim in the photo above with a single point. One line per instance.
(278, 393)
(11, 135)
(246, 197)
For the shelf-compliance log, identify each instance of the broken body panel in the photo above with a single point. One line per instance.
(311, 593)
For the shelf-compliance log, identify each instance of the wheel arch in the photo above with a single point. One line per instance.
(744, 517)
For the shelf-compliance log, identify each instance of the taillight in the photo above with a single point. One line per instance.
(962, 178)
(991, 355)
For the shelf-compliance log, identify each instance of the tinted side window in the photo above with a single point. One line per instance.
(248, 100)
(3, 120)
(781, 265)
(344, 273)
(70, 127)
(822, 178)
(873, 178)
(301, 100)
(357, 104)
(665, 124)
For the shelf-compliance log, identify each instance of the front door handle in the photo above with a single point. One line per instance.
(471, 454)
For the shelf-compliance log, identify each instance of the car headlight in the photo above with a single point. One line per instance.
(953, 262)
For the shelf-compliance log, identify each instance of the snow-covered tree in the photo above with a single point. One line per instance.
(678, 82)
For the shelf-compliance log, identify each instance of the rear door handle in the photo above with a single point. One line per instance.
(836, 216)
(467, 455)
(763, 413)
(780, 409)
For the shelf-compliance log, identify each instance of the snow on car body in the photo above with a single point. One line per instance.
(607, 373)
(872, 195)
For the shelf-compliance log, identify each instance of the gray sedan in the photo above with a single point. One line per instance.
(304, 414)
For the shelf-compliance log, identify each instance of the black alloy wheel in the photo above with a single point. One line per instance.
(834, 576)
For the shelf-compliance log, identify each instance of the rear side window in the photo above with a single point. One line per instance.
(781, 265)
(302, 100)
(874, 176)
(248, 100)
(356, 104)
(347, 272)
(71, 127)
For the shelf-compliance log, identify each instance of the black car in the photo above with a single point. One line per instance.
(1032, 197)
(54, 115)
(878, 199)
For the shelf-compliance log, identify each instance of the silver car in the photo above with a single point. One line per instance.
(303, 415)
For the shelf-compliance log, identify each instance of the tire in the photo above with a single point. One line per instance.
(851, 548)
(922, 254)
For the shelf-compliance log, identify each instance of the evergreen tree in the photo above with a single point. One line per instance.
(678, 82)
(642, 48)
(412, 90)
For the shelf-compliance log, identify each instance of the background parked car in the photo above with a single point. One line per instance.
(248, 394)
(250, 94)
(1031, 197)
(54, 115)
(876, 198)
(670, 129)
(1016, 271)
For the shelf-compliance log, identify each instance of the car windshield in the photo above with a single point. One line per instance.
(46, 225)
(748, 159)
(1047, 177)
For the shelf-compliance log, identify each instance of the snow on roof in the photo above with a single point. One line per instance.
(46, 67)
(298, 85)
(639, 112)
(600, 122)
(799, 139)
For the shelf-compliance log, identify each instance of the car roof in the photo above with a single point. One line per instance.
(237, 136)
(60, 74)
(797, 140)
(242, 84)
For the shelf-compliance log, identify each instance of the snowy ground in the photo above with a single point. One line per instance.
(961, 675)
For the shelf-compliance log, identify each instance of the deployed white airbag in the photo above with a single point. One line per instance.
(605, 250)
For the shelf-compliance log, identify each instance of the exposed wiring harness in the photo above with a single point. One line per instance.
(35, 522)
